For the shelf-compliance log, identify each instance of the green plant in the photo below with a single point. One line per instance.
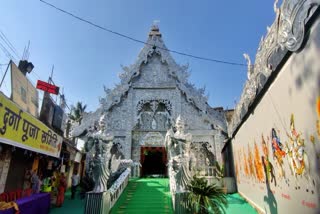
(77, 112)
(219, 170)
(205, 198)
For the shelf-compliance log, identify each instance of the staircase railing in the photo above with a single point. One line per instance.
(119, 185)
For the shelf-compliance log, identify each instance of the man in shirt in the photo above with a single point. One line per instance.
(74, 183)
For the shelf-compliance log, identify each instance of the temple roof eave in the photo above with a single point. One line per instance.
(156, 46)
(178, 72)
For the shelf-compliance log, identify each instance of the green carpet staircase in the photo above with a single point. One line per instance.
(150, 195)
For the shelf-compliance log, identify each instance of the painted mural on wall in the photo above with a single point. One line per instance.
(280, 163)
(291, 153)
(318, 114)
(318, 130)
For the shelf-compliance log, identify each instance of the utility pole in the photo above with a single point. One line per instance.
(50, 78)
(5, 73)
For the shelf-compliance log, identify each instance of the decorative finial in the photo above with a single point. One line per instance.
(179, 120)
(102, 122)
(155, 29)
(275, 8)
(180, 125)
(250, 67)
(155, 24)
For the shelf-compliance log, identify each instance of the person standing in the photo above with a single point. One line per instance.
(34, 182)
(39, 183)
(27, 179)
(62, 186)
(74, 183)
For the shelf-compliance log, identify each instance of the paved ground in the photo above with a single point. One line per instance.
(69, 206)
(154, 196)
(237, 205)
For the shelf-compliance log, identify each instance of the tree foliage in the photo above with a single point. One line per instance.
(77, 111)
(205, 198)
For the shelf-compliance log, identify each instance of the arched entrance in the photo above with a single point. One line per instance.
(153, 161)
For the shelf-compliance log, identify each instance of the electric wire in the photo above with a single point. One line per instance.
(32, 83)
(9, 44)
(6, 52)
(140, 41)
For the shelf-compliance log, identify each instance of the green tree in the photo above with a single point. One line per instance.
(77, 111)
(205, 198)
(75, 115)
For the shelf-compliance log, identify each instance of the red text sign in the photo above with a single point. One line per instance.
(47, 87)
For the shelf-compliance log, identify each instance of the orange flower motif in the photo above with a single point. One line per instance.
(318, 106)
(312, 139)
(318, 111)
(318, 127)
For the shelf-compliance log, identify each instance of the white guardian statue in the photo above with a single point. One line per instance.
(178, 148)
(102, 144)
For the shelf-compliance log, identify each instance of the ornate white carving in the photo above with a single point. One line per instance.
(178, 147)
(101, 143)
(152, 139)
(292, 20)
(155, 45)
(157, 80)
(154, 103)
(250, 68)
(286, 34)
(88, 120)
(161, 117)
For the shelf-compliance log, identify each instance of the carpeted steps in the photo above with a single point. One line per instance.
(149, 195)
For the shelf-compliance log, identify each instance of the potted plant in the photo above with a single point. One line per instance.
(205, 198)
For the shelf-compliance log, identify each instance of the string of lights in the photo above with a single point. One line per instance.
(137, 40)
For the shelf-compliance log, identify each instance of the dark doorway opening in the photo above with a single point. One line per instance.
(153, 161)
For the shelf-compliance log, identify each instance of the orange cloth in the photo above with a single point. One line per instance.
(60, 196)
(61, 189)
(8, 205)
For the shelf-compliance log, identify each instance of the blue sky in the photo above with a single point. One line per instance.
(86, 58)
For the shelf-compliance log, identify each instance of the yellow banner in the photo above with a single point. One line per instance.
(20, 129)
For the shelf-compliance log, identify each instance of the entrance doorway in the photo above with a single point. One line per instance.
(153, 161)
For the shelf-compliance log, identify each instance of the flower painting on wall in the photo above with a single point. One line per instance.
(318, 113)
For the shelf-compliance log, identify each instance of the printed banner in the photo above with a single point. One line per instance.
(20, 129)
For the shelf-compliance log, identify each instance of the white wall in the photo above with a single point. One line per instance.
(294, 92)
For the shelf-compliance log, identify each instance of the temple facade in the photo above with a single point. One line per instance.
(151, 94)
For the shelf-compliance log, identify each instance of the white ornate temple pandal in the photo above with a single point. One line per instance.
(161, 125)
(152, 93)
(140, 114)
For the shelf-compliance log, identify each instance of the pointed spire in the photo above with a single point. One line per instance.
(154, 31)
